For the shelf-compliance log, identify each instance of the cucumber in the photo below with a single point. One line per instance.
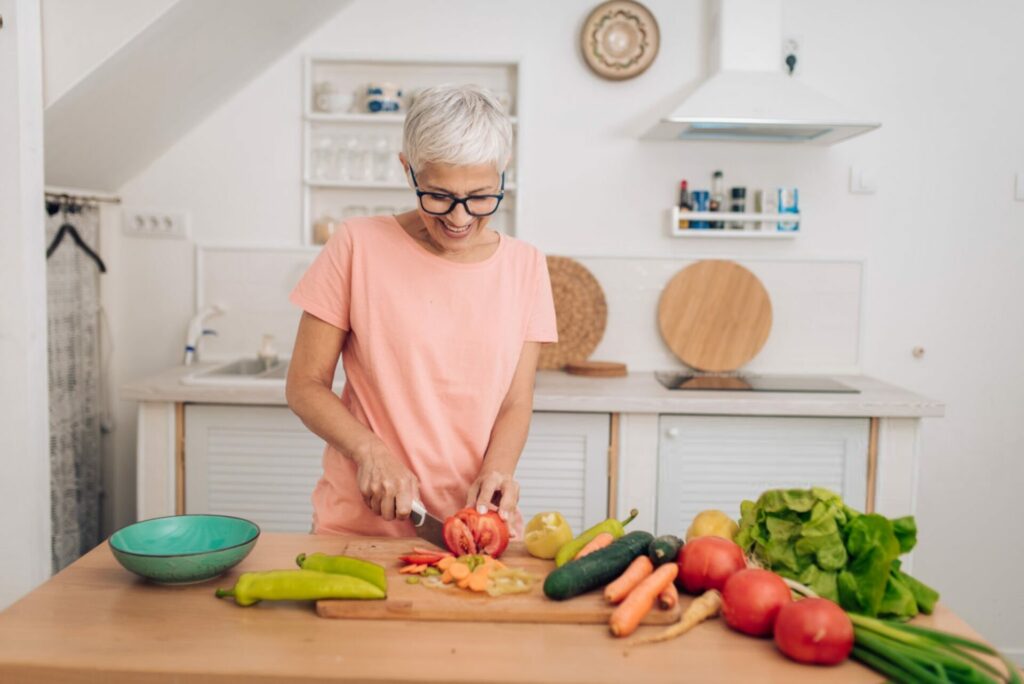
(664, 549)
(598, 569)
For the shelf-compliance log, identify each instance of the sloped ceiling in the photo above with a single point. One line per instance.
(128, 110)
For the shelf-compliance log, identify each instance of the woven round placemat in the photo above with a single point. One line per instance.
(580, 309)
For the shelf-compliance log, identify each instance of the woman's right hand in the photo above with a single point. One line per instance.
(387, 486)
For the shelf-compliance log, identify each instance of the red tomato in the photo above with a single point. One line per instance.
(752, 599)
(707, 562)
(458, 537)
(468, 532)
(491, 534)
(814, 630)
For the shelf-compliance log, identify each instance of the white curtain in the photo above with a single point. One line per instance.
(72, 280)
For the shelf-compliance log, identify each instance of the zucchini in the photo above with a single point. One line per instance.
(664, 549)
(598, 569)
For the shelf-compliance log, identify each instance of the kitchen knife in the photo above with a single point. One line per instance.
(428, 527)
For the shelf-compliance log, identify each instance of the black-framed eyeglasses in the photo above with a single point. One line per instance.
(441, 203)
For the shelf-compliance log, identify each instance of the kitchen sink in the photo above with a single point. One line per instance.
(248, 372)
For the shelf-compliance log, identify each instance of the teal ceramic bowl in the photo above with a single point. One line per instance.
(184, 549)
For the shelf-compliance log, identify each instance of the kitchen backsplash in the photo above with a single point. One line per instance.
(816, 307)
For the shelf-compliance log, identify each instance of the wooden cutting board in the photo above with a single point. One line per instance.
(715, 315)
(418, 602)
(580, 311)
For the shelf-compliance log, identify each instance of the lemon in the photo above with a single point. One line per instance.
(545, 534)
(712, 523)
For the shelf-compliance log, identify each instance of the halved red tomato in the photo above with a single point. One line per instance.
(468, 532)
(458, 536)
(492, 534)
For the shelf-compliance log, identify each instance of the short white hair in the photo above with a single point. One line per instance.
(457, 125)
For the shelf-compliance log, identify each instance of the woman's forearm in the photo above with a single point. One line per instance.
(508, 436)
(322, 411)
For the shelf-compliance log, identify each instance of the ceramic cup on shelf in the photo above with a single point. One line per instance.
(381, 97)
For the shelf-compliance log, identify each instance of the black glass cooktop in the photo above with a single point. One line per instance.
(677, 380)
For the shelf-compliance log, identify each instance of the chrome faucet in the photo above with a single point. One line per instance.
(197, 330)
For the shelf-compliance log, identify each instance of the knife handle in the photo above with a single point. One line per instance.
(420, 511)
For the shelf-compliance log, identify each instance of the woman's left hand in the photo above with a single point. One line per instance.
(487, 484)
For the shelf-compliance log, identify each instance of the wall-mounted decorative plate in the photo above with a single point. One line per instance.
(620, 39)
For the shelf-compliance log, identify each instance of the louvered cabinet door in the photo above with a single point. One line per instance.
(718, 461)
(564, 467)
(255, 462)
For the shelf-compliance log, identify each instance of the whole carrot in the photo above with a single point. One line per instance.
(627, 616)
(669, 597)
(599, 542)
(616, 592)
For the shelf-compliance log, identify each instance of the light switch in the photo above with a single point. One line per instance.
(1020, 186)
(862, 181)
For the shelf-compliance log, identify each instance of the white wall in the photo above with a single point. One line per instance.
(78, 36)
(942, 238)
(24, 417)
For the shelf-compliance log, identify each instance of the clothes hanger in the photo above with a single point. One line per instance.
(68, 229)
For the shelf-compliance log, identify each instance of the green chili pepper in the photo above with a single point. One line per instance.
(611, 526)
(298, 585)
(344, 565)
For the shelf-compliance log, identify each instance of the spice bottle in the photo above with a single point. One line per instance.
(685, 205)
(738, 205)
(717, 196)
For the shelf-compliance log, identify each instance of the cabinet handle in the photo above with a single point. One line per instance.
(672, 432)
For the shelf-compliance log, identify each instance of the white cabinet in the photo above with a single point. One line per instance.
(564, 467)
(718, 461)
(261, 463)
(256, 462)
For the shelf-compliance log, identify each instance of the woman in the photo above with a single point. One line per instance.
(438, 321)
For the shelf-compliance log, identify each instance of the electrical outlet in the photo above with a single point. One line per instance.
(155, 223)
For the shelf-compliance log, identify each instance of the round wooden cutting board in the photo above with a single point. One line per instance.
(715, 315)
(581, 312)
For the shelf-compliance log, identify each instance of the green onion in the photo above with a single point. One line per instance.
(908, 653)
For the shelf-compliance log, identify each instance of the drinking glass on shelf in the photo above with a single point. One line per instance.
(323, 158)
(357, 158)
(382, 159)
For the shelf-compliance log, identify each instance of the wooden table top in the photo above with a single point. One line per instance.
(95, 621)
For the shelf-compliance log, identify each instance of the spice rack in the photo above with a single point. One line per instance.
(726, 218)
(335, 196)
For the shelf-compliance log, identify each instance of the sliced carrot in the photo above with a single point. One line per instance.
(464, 582)
(478, 582)
(669, 598)
(459, 570)
(599, 542)
(638, 570)
(446, 562)
(446, 577)
(412, 569)
(627, 616)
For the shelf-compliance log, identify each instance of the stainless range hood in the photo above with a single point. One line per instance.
(749, 97)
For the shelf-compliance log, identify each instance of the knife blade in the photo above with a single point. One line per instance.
(427, 527)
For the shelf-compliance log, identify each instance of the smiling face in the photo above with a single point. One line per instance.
(457, 234)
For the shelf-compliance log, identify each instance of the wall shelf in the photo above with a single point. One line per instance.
(361, 118)
(727, 218)
(335, 200)
(370, 185)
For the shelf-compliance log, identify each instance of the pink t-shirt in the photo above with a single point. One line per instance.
(431, 349)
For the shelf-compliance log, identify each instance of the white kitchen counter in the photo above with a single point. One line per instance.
(639, 392)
